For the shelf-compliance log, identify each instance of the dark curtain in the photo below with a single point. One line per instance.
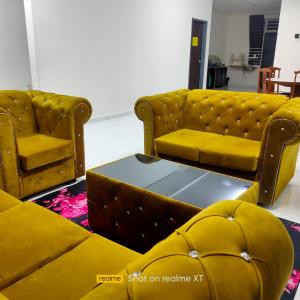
(257, 23)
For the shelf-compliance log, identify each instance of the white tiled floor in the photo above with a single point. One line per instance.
(109, 140)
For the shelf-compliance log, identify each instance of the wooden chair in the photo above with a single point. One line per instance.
(264, 84)
(273, 72)
(271, 75)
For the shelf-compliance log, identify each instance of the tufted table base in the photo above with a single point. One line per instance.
(135, 217)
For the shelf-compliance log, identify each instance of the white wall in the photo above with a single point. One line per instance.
(218, 34)
(237, 42)
(287, 54)
(112, 51)
(14, 60)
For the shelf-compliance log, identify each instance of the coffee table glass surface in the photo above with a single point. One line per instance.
(191, 185)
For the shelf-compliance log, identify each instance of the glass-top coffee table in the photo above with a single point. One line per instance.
(192, 185)
(139, 200)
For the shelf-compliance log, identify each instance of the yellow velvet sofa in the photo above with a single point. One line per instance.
(232, 250)
(249, 135)
(41, 141)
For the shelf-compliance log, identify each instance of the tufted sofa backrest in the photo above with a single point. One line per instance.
(231, 250)
(240, 114)
(19, 106)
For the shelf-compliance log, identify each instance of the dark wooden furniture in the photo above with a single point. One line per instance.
(264, 76)
(216, 77)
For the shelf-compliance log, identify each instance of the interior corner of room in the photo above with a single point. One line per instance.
(252, 35)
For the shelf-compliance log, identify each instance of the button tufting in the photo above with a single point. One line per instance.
(79, 134)
(230, 218)
(116, 198)
(117, 224)
(271, 155)
(136, 274)
(245, 256)
(82, 111)
(194, 254)
(282, 129)
(266, 191)
(171, 219)
(105, 206)
(155, 224)
(143, 235)
(128, 212)
(61, 171)
(140, 208)
(8, 151)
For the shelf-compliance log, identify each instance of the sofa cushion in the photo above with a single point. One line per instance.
(210, 148)
(73, 274)
(231, 152)
(39, 150)
(32, 236)
(184, 143)
(7, 201)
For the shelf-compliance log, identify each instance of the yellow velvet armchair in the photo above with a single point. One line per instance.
(249, 135)
(235, 250)
(41, 141)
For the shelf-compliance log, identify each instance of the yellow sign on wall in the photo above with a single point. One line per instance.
(195, 41)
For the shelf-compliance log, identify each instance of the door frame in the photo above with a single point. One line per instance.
(203, 51)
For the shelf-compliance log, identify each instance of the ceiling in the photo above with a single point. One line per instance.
(247, 6)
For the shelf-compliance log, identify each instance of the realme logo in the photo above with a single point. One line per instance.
(110, 278)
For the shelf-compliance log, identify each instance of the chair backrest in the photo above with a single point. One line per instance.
(294, 85)
(273, 72)
(264, 75)
(240, 114)
(18, 104)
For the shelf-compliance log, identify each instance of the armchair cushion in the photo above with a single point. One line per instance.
(210, 148)
(39, 150)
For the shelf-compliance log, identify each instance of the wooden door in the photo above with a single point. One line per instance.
(197, 56)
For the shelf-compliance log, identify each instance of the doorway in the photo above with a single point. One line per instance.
(197, 54)
(269, 49)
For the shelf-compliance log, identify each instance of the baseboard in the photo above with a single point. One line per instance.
(112, 116)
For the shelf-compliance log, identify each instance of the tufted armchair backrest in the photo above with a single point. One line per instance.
(240, 114)
(19, 106)
(231, 250)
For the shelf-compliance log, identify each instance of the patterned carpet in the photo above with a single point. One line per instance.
(70, 202)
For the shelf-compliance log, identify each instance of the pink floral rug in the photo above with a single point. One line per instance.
(71, 203)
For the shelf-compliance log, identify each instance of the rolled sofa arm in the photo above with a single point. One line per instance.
(63, 117)
(160, 114)
(10, 177)
(245, 240)
(280, 145)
